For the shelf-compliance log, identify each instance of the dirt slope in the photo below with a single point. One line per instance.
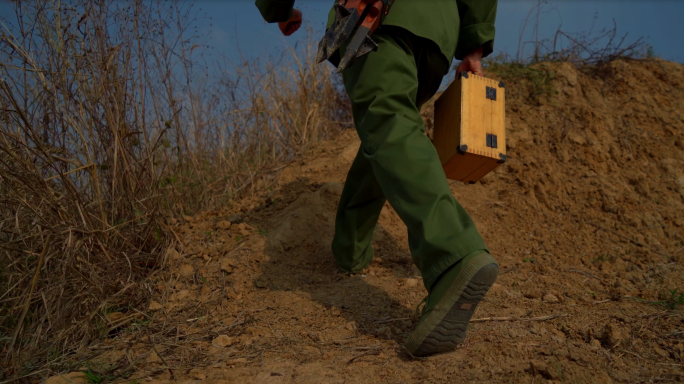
(586, 216)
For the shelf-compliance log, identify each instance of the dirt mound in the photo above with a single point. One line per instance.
(586, 219)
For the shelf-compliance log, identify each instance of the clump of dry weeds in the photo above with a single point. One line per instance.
(107, 129)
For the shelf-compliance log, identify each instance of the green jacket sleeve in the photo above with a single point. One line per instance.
(274, 11)
(477, 26)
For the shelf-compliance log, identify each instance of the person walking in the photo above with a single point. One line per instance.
(396, 161)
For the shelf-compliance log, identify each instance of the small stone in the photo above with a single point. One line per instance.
(384, 331)
(315, 336)
(543, 369)
(235, 219)
(411, 282)
(69, 378)
(153, 358)
(180, 295)
(227, 265)
(205, 291)
(550, 298)
(612, 335)
(562, 353)
(240, 360)
(197, 374)
(154, 306)
(661, 352)
(537, 366)
(173, 221)
(186, 270)
(533, 294)
(115, 316)
(172, 254)
(223, 341)
(189, 219)
(378, 260)
(223, 224)
(595, 344)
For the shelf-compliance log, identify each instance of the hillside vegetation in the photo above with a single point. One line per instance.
(156, 225)
(586, 220)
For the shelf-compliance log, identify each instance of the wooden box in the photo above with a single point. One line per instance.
(470, 130)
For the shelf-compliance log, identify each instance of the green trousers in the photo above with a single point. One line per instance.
(397, 162)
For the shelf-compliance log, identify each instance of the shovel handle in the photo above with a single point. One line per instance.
(372, 20)
(373, 10)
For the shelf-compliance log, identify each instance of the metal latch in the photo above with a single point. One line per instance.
(491, 93)
(491, 141)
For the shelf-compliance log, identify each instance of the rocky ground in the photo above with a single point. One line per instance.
(586, 219)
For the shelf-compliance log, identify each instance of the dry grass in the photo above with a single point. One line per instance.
(586, 48)
(109, 128)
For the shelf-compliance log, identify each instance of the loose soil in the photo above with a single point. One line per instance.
(586, 219)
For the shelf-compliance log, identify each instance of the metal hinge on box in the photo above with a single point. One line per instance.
(491, 93)
(491, 141)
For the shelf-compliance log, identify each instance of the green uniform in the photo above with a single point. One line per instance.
(458, 27)
(396, 161)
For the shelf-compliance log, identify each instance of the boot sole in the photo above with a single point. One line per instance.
(441, 331)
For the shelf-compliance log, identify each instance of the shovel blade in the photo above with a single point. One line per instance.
(360, 45)
(344, 24)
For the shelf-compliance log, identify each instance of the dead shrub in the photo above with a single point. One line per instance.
(109, 127)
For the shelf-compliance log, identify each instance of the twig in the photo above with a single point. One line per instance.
(338, 342)
(28, 298)
(159, 354)
(630, 239)
(373, 348)
(508, 270)
(66, 173)
(376, 347)
(391, 320)
(651, 227)
(25, 376)
(631, 353)
(601, 301)
(173, 232)
(541, 318)
(411, 354)
(121, 322)
(368, 353)
(584, 273)
(677, 251)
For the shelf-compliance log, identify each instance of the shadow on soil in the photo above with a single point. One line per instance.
(298, 246)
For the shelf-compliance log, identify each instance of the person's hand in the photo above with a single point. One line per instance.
(291, 26)
(472, 63)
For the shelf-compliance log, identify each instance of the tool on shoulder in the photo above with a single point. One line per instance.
(355, 22)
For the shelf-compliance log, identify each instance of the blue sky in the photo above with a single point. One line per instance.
(238, 23)
(233, 24)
